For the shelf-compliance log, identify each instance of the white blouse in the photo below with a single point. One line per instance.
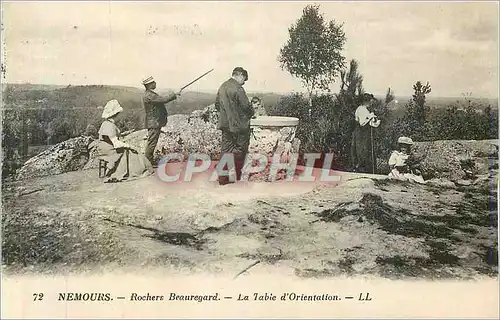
(363, 116)
(398, 159)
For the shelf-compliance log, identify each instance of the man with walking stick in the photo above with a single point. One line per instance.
(362, 148)
(156, 114)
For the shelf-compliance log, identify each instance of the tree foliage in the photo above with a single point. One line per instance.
(313, 50)
(420, 108)
(389, 96)
(351, 88)
(328, 129)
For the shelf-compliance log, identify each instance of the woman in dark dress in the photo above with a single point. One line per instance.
(361, 146)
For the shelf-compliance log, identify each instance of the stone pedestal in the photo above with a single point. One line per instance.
(273, 136)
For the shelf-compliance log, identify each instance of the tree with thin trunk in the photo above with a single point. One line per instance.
(313, 51)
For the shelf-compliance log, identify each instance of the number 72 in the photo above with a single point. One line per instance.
(37, 296)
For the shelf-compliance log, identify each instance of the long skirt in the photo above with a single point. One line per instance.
(361, 149)
(235, 143)
(123, 164)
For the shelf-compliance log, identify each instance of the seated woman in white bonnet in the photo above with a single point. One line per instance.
(123, 162)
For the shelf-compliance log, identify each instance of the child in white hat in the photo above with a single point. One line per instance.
(401, 169)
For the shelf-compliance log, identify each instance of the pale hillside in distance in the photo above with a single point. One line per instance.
(55, 96)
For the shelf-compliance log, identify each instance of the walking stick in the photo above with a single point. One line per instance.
(373, 152)
(187, 85)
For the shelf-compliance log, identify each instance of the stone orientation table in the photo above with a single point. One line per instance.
(270, 136)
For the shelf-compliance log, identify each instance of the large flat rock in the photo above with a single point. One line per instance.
(361, 226)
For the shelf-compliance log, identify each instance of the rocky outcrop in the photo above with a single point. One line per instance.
(185, 134)
(456, 160)
(69, 155)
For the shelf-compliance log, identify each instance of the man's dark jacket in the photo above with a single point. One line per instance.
(235, 110)
(154, 105)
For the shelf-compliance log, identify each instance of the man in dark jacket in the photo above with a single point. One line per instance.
(235, 112)
(156, 114)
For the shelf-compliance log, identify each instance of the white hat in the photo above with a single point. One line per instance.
(111, 108)
(147, 80)
(405, 140)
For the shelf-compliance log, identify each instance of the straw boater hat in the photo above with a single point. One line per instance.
(148, 80)
(111, 108)
(405, 140)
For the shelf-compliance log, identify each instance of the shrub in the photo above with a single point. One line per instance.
(459, 121)
(325, 131)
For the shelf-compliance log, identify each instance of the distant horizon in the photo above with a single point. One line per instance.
(429, 96)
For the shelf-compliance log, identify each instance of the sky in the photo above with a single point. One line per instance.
(453, 45)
